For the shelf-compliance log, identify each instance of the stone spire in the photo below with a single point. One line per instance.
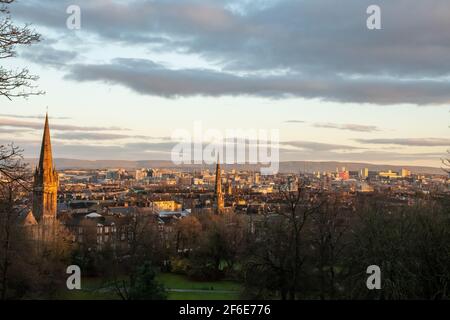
(45, 187)
(218, 194)
(46, 158)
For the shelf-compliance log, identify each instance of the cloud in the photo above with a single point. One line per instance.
(98, 136)
(317, 146)
(147, 77)
(40, 126)
(45, 54)
(294, 121)
(325, 51)
(419, 142)
(19, 116)
(349, 126)
(76, 135)
(10, 130)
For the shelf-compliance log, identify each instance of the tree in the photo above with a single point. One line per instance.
(446, 163)
(218, 247)
(188, 231)
(411, 247)
(12, 167)
(277, 256)
(146, 287)
(329, 229)
(141, 245)
(13, 180)
(15, 83)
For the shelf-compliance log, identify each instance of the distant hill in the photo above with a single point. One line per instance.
(285, 167)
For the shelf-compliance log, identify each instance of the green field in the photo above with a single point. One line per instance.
(212, 290)
(179, 287)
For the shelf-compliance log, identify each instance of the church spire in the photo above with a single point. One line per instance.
(46, 158)
(218, 195)
(45, 186)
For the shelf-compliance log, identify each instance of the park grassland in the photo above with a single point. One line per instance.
(179, 287)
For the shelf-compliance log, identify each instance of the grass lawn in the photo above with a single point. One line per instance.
(214, 290)
(202, 296)
(94, 289)
(91, 289)
(177, 281)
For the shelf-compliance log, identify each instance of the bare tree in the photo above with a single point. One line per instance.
(12, 168)
(329, 227)
(301, 205)
(279, 251)
(188, 231)
(15, 83)
(142, 245)
(446, 163)
(13, 180)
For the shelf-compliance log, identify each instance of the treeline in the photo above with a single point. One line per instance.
(319, 246)
(328, 255)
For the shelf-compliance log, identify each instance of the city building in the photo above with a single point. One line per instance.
(364, 173)
(45, 186)
(405, 173)
(218, 194)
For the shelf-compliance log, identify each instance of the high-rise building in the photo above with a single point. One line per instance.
(45, 186)
(344, 174)
(141, 174)
(218, 194)
(388, 174)
(405, 173)
(229, 188)
(364, 173)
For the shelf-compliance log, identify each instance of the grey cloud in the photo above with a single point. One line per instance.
(294, 121)
(74, 135)
(17, 116)
(317, 146)
(11, 130)
(46, 54)
(40, 126)
(420, 142)
(389, 66)
(165, 147)
(348, 126)
(146, 77)
(97, 136)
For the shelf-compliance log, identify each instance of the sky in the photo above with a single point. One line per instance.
(138, 70)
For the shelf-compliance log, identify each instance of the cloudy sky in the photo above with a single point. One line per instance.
(138, 70)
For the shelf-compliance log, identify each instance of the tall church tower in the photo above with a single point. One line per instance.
(45, 187)
(218, 194)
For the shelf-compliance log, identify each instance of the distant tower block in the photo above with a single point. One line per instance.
(218, 195)
(229, 188)
(45, 187)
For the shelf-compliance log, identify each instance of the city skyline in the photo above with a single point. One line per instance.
(117, 90)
